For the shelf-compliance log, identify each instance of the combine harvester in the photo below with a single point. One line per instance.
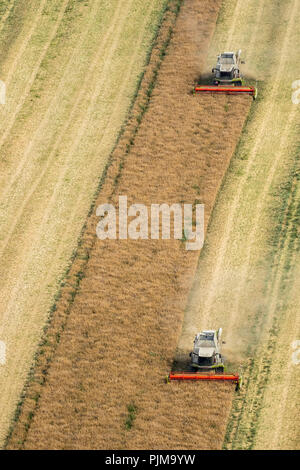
(227, 78)
(207, 360)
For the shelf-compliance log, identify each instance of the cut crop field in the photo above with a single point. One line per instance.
(111, 339)
(71, 70)
(248, 274)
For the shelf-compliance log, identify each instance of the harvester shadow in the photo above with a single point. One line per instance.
(203, 79)
(181, 362)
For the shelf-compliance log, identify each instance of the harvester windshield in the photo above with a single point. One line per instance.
(205, 340)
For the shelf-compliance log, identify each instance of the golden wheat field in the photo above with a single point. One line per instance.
(99, 104)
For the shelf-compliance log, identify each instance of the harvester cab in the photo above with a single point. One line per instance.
(227, 70)
(206, 354)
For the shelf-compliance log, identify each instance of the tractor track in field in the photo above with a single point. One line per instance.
(22, 47)
(55, 194)
(281, 327)
(121, 90)
(260, 207)
(256, 374)
(11, 120)
(45, 120)
(6, 14)
(82, 127)
(287, 395)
